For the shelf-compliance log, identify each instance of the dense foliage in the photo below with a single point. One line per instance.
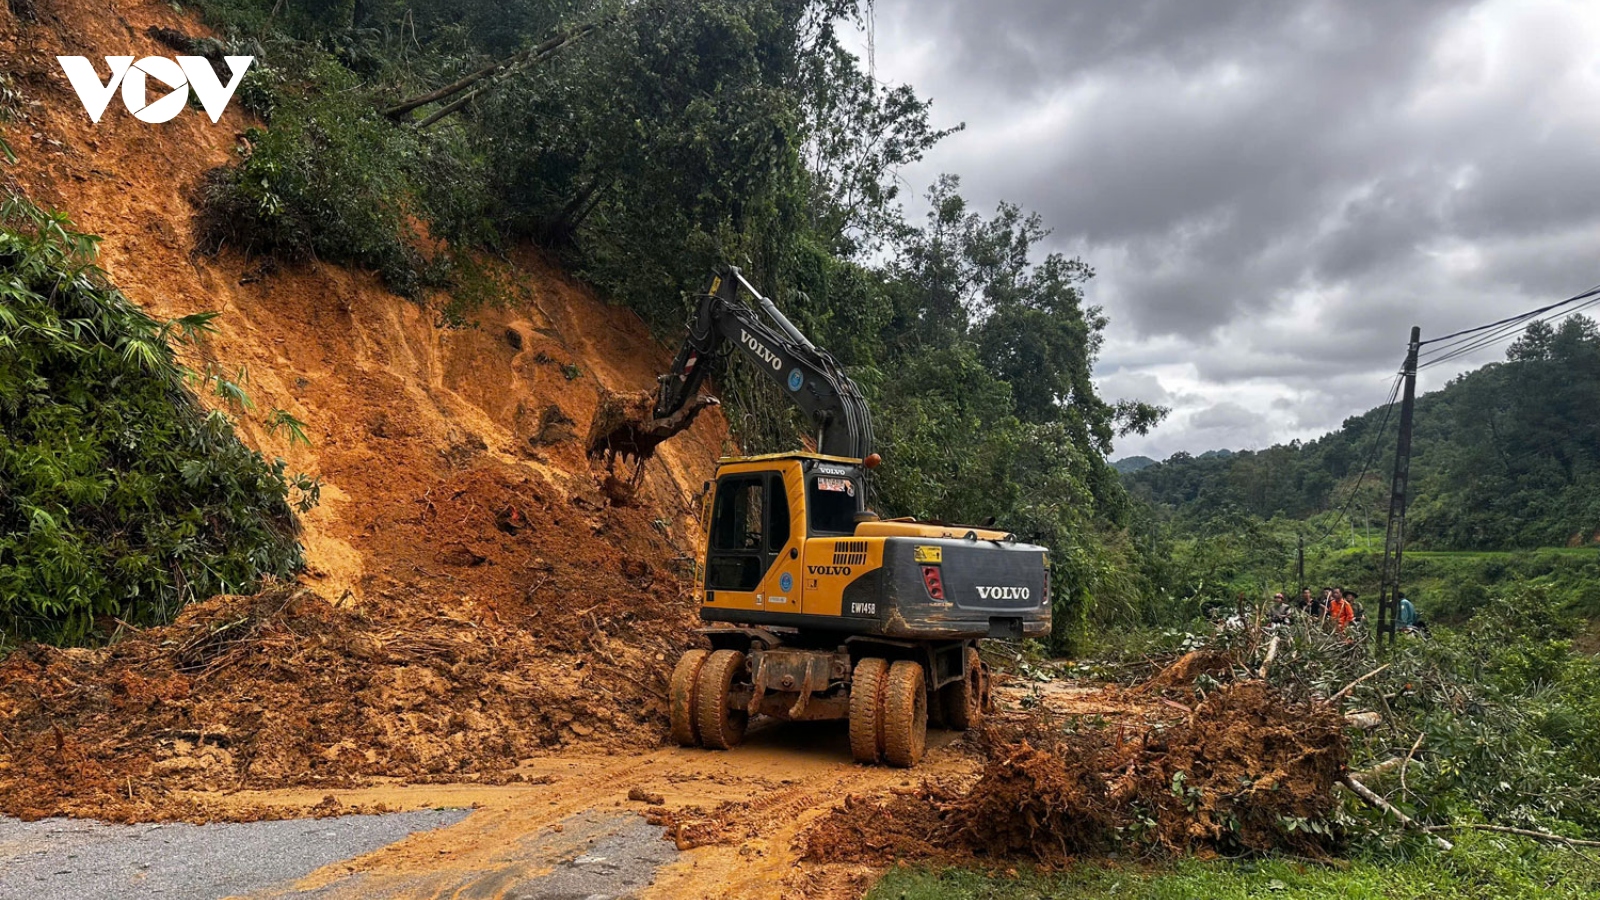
(660, 139)
(1504, 457)
(120, 497)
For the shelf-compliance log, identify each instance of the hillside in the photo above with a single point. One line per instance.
(405, 288)
(1129, 464)
(1505, 457)
(465, 571)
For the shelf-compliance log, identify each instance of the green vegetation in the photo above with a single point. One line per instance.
(1452, 585)
(1482, 867)
(647, 143)
(120, 497)
(1188, 573)
(1492, 723)
(327, 179)
(1506, 457)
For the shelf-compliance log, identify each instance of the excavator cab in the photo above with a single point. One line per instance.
(765, 513)
(790, 544)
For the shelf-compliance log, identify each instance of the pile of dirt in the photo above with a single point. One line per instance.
(284, 688)
(1246, 770)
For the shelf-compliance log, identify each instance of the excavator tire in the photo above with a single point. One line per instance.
(866, 710)
(684, 677)
(963, 701)
(721, 728)
(905, 715)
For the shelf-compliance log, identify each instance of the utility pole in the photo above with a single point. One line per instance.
(1394, 541)
(1300, 553)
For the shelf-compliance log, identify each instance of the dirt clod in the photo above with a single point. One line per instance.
(640, 795)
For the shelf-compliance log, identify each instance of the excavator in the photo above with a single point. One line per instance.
(814, 607)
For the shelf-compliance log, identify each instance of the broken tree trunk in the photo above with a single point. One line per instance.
(521, 59)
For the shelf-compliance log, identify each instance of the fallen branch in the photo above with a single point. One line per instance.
(1407, 764)
(1376, 802)
(1503, 829)
(1366, 721)
(1272, 654)
(1382, 768)
(1352, 685)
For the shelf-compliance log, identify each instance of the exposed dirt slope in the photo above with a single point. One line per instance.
(463, 549)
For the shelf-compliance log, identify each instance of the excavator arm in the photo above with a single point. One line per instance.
(811, 377)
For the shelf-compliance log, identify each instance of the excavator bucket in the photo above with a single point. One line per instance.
(625, 427)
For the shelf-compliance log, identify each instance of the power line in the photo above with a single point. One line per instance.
(1503, 334)
(1517, 318)
(1377, 446)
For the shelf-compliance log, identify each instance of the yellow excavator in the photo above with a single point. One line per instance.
(816, 608)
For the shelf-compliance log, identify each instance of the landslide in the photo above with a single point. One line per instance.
(472, 595)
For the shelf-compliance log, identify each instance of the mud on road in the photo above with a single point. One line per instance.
(570, 828)
(665, 823)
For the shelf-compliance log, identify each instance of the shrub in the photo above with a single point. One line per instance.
(119, 495)
(327, 179)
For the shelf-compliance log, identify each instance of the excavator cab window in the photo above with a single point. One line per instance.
(749, 525)
(832, 503)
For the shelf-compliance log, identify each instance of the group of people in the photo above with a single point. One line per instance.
(1339, 607)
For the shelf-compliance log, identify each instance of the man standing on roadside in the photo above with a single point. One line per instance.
(1340, 610)
(1282, 613)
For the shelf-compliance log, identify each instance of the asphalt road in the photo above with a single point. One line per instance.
(67, 859)
(597, 855)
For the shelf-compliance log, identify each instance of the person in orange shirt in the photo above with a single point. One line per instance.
(1340, 610)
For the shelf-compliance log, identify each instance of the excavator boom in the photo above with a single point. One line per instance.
(811, 377)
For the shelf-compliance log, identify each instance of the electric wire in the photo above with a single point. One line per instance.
(1503, 334)
(1517, 318)
(1372, 456)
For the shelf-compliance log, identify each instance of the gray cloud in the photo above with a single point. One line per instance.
(1224, 415)
(1273, 192)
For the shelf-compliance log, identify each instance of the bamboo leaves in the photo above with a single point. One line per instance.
(119, 495)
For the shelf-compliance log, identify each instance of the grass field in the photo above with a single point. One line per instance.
(1482, 867)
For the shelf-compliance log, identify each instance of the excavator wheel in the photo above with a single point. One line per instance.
(964, 702)
(684, 731)
(866, 710)
(721, 728)
(905, 715)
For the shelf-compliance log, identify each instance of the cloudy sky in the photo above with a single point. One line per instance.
(1273, 192)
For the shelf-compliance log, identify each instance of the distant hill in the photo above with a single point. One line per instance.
(1504, 457)
(1132, 464)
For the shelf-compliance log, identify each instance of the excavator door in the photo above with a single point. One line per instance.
(748, 559)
